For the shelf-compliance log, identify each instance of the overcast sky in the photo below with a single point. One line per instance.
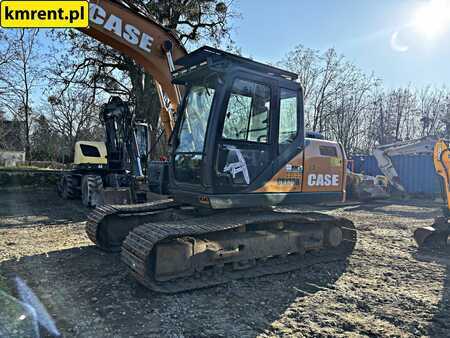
(402, 41)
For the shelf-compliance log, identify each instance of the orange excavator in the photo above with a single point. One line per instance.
(239, 150)
(436, 236)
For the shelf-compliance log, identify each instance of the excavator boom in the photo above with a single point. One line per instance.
(154, 47)
(383, 154)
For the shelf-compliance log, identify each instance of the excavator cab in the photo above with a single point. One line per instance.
(240, 121)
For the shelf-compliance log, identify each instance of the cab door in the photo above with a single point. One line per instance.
(289, 163)
(245, 146)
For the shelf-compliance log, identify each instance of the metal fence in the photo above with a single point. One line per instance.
(417, 172)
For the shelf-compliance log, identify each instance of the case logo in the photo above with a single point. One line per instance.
(115, 24)
(321, 180)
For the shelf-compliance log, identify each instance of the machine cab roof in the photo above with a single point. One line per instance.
(205, 60)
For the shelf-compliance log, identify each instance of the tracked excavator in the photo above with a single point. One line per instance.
(436, 236)
(238, 155)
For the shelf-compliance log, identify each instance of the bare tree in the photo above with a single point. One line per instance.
(430, 106)
(5, 57)
(45, 142)
(346, 105)
(5, 49)
(194, 20)
(18, 79)
(349, 107)
(304, 62)
(3, 131)
(406, 113)
(73, 116)
(445, 118)
(336, 93)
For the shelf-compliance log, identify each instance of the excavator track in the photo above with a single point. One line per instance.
(170, 239)
(108, 225)
(434, 237)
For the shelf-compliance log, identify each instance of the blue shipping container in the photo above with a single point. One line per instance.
(417, 172)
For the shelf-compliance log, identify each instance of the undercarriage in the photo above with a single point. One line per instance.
(171, 248)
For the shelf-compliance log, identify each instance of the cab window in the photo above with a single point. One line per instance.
(89, 151)
(288, 128)
(247, 115)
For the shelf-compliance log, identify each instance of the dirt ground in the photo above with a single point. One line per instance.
(385, 288)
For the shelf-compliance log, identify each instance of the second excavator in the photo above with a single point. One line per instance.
(436, 236)
(238, 154)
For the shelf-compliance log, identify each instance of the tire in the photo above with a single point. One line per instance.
(91, 190)
(67, 187)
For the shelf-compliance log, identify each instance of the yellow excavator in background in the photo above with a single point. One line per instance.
(436, 236)
(238, 150)
(110, 172)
